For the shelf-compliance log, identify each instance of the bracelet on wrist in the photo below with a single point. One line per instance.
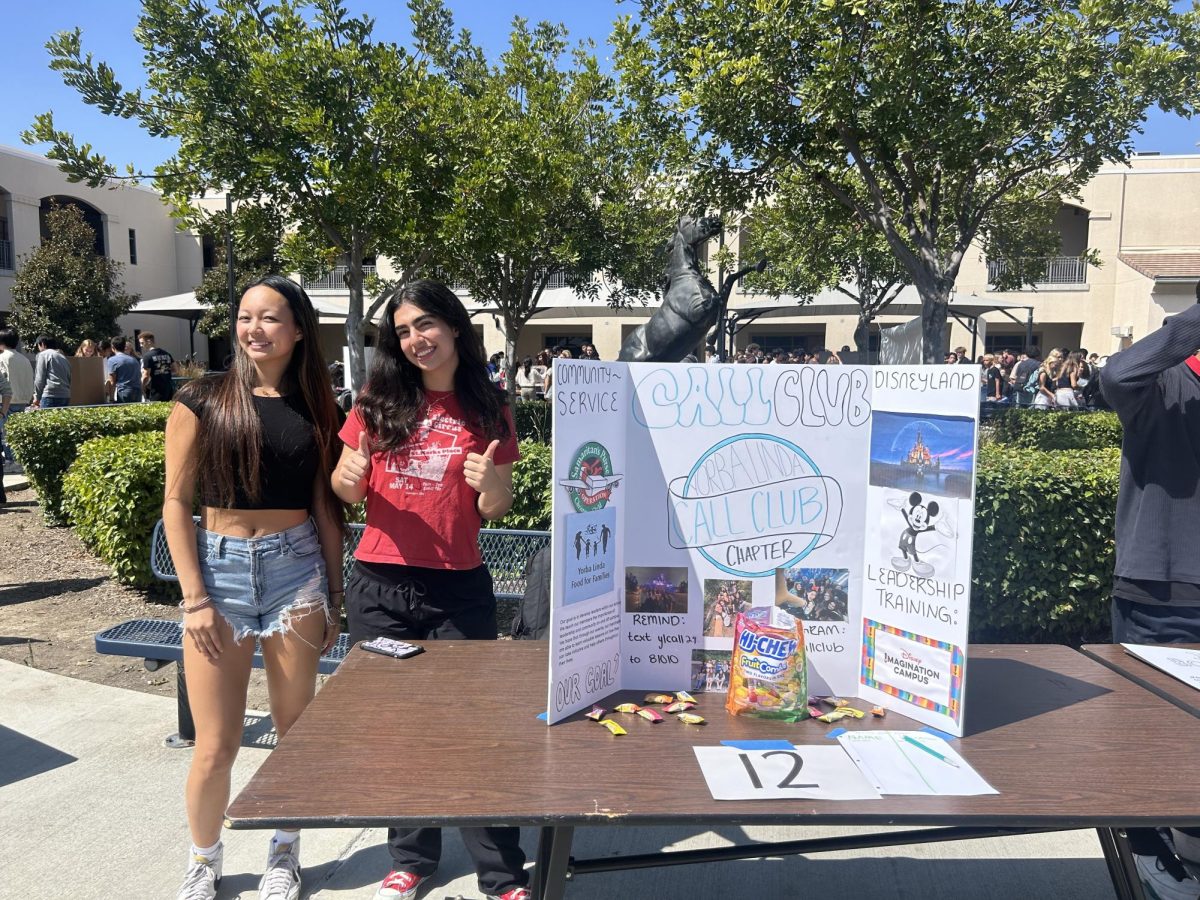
(202, 603)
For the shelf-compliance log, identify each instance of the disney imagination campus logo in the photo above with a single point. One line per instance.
(591, 479)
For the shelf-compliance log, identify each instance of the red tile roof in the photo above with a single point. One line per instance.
(1163, 265)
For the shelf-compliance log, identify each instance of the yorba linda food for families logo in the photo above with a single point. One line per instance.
(591, 478)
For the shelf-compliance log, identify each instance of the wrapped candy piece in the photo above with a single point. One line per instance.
(679, 706)
(878, 712)
(626, 708)
(613, 726)
(685, 697)
(850, 711)
(658, 698)
(815, 711)
(835, 702)
(652, 714)
(834, 716)
(595, 714)
(691, 719)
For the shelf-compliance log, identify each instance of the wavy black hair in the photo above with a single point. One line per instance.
(231, 439)
(392, 399)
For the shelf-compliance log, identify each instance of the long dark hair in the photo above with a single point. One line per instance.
(395, 392)
(230, 445)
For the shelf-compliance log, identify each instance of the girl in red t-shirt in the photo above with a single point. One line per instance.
(430, 445)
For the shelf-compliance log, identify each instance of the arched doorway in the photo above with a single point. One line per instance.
(91, 215)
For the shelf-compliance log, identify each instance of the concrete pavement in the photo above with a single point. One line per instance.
(91, 806)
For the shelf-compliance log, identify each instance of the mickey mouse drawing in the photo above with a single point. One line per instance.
(919, 517)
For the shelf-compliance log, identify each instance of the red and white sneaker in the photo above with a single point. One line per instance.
(517, 893)
(400, 885)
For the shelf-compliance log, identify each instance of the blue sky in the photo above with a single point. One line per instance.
(31, 88)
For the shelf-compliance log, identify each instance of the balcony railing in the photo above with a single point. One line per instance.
(334, 280)
(1043, 271)
(6, 256)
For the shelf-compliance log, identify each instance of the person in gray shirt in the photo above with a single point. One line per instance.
(122, 375)
(51, 374)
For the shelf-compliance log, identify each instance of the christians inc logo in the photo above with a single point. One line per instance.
(591, 478)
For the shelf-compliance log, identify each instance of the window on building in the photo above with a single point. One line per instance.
(574, 341)
(208, 249)
(132, 247)
(998, 343)
(789, 342)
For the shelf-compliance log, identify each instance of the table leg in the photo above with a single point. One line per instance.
(553, 862)
(1121, 869)
(186, 735)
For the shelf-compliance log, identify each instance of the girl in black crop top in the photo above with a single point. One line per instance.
(265, 566)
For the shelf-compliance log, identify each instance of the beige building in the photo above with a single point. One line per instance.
(132, 224)
(1143, 221)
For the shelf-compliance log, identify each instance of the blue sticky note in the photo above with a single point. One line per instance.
(542, 716)
(759, 745)
(929, 729)
(832, 735)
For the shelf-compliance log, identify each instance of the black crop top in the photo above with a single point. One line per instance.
(289, 455)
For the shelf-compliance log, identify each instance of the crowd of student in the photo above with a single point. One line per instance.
(129, 375)
(45, 382)
(1065, 379)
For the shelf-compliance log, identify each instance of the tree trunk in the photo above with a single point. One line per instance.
(935, 301)
(355, 331)
(512, 332)
(862, 336)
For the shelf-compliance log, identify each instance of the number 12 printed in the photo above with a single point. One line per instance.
(802, 773)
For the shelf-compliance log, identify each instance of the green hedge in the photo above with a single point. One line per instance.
(533, 420)
(1043, 553)
(1040, 429)
(47, 441)
(1044, 550)
(113, 495)
(531, 490)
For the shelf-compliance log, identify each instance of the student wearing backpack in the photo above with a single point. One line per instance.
(430, 445)
(1024, 388)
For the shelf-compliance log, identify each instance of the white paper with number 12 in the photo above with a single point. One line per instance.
(804, 773)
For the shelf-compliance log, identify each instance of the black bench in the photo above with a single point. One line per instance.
(159, 642)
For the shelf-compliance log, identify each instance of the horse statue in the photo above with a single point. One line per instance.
(691, 305)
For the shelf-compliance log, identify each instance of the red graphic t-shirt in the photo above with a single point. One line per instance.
(420, 509)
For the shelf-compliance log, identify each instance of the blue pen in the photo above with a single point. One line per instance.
(930, 751)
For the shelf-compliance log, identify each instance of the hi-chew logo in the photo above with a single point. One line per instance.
(764, 645)
(591, 479)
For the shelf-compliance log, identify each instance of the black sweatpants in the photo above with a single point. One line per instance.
(413, 603)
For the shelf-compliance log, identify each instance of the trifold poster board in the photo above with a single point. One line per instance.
(686, 493)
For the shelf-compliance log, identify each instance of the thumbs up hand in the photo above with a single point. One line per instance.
(356, 466)
(480, 470)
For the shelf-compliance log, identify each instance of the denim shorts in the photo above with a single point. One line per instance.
(259, 584)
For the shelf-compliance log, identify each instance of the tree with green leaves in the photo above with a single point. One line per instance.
(292, 103)
(65, 288)
(935, 124)
(261, 247)
(548, 183)
(814, 245)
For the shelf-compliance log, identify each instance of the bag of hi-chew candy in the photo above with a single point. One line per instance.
(768, 675)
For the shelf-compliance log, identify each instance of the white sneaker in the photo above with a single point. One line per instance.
(1159, 884)
(203, 876)
(281, 880)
